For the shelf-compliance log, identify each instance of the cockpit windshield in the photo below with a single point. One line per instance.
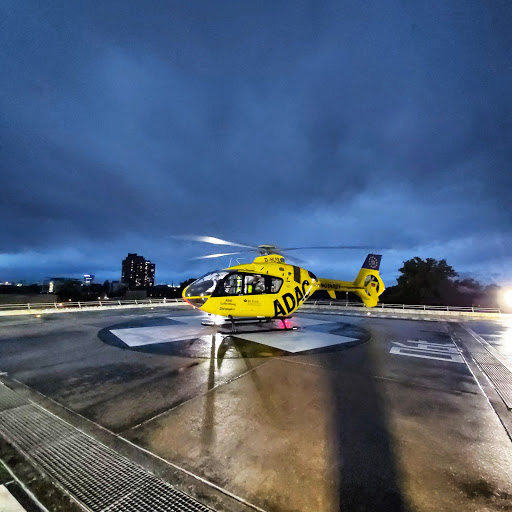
(205, 285)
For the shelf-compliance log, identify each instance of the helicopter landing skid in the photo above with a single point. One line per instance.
(246, 325)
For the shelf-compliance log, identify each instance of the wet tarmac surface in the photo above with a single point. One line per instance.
(370, 414)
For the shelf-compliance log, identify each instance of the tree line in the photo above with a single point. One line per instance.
(435, 283)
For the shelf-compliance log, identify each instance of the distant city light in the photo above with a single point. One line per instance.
(88, 279)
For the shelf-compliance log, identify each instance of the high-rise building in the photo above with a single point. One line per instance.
(137, 272)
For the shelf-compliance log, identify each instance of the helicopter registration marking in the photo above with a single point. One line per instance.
(273, 259)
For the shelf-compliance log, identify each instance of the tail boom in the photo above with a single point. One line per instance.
(367, 285)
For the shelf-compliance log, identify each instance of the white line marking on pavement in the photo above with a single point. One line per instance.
(190, 327)
(8, 503)
(296, 341)
(428, 350)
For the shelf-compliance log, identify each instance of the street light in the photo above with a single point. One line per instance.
(507, 296)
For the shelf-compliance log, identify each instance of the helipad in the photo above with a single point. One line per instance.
(343, 413)
(301, 334)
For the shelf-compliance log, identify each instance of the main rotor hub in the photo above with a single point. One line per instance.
(266, 249)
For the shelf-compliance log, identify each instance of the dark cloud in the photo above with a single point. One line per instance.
(122, 123)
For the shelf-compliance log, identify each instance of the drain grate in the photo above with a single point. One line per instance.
(501, 377)
(488, 359)
(29, 427)
(95, 475)
(498, 374)
(155, 496)
(483, 357)
(9, 399)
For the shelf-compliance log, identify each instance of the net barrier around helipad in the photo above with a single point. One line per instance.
(97, 477)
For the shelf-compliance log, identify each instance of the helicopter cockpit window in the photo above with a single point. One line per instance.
(275, 284)
(205, 285)
(231, 285)
(247, 284)
(254, 284)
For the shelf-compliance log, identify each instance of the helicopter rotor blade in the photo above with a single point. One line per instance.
(297, 260)
(366, 247)
(213, 240)
(219, 255)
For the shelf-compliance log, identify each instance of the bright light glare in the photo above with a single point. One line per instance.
(218, 320)
(508, 297)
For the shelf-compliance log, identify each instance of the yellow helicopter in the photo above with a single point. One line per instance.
(271, 288)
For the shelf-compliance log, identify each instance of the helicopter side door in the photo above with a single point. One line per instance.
(227, 296)
(260, 290)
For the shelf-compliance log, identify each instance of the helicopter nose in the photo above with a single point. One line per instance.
(197, 302)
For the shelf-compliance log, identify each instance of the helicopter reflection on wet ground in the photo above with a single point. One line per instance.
(346, 423)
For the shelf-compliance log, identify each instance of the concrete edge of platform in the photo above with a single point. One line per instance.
(205, 492)
(26, 500)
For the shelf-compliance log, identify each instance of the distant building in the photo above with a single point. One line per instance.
(88, 279)
(56, 283)
(137, 272)
(116, 287)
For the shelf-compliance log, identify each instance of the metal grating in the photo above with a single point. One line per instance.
(484, 356)
(157, 497)
(95, 475)
(501, 378)
(29, 427)
(9, 399)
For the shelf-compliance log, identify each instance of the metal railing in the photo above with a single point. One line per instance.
(154, 301)
(423, 307)
(87, 304)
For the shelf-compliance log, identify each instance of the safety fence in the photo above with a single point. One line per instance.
(79, 305)
(49, 307)
(416, 307)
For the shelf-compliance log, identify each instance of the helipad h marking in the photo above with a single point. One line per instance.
(297, 341)
(190, 327)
